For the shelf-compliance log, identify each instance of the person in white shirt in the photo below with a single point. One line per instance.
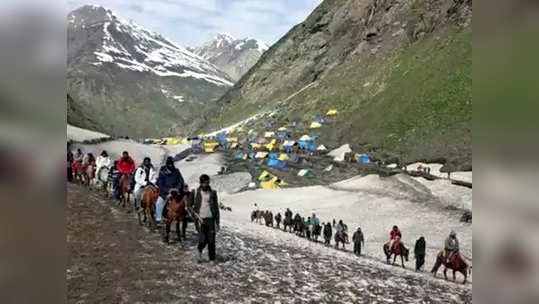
(144, 175)
(102, 161)
(206, 206)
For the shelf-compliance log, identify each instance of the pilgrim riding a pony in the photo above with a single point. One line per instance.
(126, 167)
(395, 247)
(450, 258)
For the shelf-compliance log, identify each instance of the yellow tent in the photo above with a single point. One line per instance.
(269, 146)
(250, 131)
(315, 125)
(210, 147)
(282, 129)
(156, 141)
(271, 184)
(356, 157)
(305, 138)
(332, 112)
(263, 175)
(245, 156)
(284, 156)
(234, 145)
(232, 139)
(184, 141)
(255, 146)
(269, 134)
(261, 155)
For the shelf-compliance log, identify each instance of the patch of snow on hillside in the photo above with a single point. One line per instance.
(178, 98)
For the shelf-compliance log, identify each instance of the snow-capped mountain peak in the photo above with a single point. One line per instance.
(234, 56)
(130, 46)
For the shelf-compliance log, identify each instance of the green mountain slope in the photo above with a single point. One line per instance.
(399, 72)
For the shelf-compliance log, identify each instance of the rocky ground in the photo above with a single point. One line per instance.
(114, 260)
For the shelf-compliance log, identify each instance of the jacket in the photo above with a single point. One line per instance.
(315, 221)
(340, 228)
(102, 162)
(169, 179)
(126, 166)
(358, 237)
(140, 177)
(419, 249)
(196, 199)
(327, 230)
(451, 244)
(393, 234)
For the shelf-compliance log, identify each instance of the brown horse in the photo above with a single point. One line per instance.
(397, 249)
(124, 187)
(456, 263)
(89, 174)
(340, 237)
(147, 205)
(175, 212)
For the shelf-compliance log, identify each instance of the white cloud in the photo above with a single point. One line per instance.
(192, 22)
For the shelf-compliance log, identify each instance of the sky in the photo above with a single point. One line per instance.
(193, 22)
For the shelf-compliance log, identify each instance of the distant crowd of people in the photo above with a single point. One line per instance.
(311, 228)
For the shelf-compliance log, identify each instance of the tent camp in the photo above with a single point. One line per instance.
(261, 155)
(332, 112)
(262, 141)
(210, 147)
(265, 174)
(277, 163)
(273, 156)
(321, 148)
(305, 138)
(273, 183)
(305, 173)
(269, 134)
(283, 157)
(364, 159)
(302, 144)
(315, 125)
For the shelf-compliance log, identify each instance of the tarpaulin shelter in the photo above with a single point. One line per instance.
(261, 155)
(321, 148)
(222, 137)
(273, 155)
(315, 125)
(271, 184)
(312, 147)
(305, 138)
(364, 159)
(234, 145)
(282, 135)
(305, 173)
(265, 174)
(332, 112)
(262, 141)
(269, 134)
(302, 144)
(289, 143)
(255, 146)
(314, 137)
(283, 156)
(210, 147)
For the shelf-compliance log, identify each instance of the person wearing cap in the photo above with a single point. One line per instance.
(144, 175)
(169, 178)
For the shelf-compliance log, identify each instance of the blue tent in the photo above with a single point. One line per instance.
(251, 139)
(273, 162)
(273, 155)
(222, 137)
(312, 147)
(314, 137)
(281, 165)
(319, 119)
(303, 144)
(240, 155)
(288, 149)
(364, 159)
(252, 155)
(282, 135)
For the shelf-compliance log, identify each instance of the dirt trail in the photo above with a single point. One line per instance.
(114, 260)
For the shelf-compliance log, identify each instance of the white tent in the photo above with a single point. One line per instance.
(321, 148)
(305, 137)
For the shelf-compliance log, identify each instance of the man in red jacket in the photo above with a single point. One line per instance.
(126, 165)
(394, 236)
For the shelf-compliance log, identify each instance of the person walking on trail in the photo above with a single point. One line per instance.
(358, 240)
(327, 233)
(278, 220)
(451, 246)
(114, 176)
(419, 253)
(79, 156)
(144, 175)
(125, 165)
(70, 158)
(206, 208)
(169, 178)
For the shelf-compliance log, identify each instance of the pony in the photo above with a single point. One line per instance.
(456, 263)
(175, 211)
(89, 174)
(398, 248)
(103, 178)
(147, 206)
(254, 216)
(124, 186)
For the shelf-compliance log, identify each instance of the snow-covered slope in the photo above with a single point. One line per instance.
(131, 46)
(234, 56)
(79, 134)
(129, 80)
